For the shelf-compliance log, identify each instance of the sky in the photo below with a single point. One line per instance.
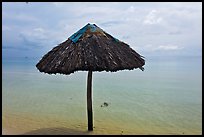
(152, 29)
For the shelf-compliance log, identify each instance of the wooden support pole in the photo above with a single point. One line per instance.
(89, 101)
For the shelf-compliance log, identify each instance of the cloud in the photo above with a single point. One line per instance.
(14, 47)
(175, 32)
(168, 47)
(131, 9)
(5, 28)
(152, 18)
(167, 26)
(36, 33)
(110, 23)
(18, 17)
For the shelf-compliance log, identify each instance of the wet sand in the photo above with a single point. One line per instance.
(25, 125)
(15, 125)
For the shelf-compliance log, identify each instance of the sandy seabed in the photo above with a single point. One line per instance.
(21, 125)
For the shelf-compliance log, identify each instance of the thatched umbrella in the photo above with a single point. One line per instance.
(90, 49)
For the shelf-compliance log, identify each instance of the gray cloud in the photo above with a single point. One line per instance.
(110, 23)
(164, 26)
(14, 47)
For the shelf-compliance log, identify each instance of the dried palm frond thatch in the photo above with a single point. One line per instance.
(93, 49)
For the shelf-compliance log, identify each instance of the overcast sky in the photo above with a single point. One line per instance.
(32, 29)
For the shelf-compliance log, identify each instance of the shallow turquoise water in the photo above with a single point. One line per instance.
(166, 98)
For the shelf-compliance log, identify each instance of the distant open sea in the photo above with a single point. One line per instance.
(165, 98)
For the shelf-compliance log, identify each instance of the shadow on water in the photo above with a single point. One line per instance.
(57, 131)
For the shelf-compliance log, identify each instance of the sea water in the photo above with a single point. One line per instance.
(165, 98)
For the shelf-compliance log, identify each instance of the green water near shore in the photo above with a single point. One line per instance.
(166, 98)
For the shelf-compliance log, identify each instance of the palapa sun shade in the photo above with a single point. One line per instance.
(90, 49)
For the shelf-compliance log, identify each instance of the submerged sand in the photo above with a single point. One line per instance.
(30, 125)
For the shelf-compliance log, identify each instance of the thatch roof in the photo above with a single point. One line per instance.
(93, 49)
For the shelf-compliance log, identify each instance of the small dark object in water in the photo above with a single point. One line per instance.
(105, 104)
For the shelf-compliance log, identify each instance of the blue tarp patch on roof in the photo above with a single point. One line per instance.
(92, 27)
(75, 37)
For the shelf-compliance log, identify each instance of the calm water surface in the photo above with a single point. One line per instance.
(166, 98)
